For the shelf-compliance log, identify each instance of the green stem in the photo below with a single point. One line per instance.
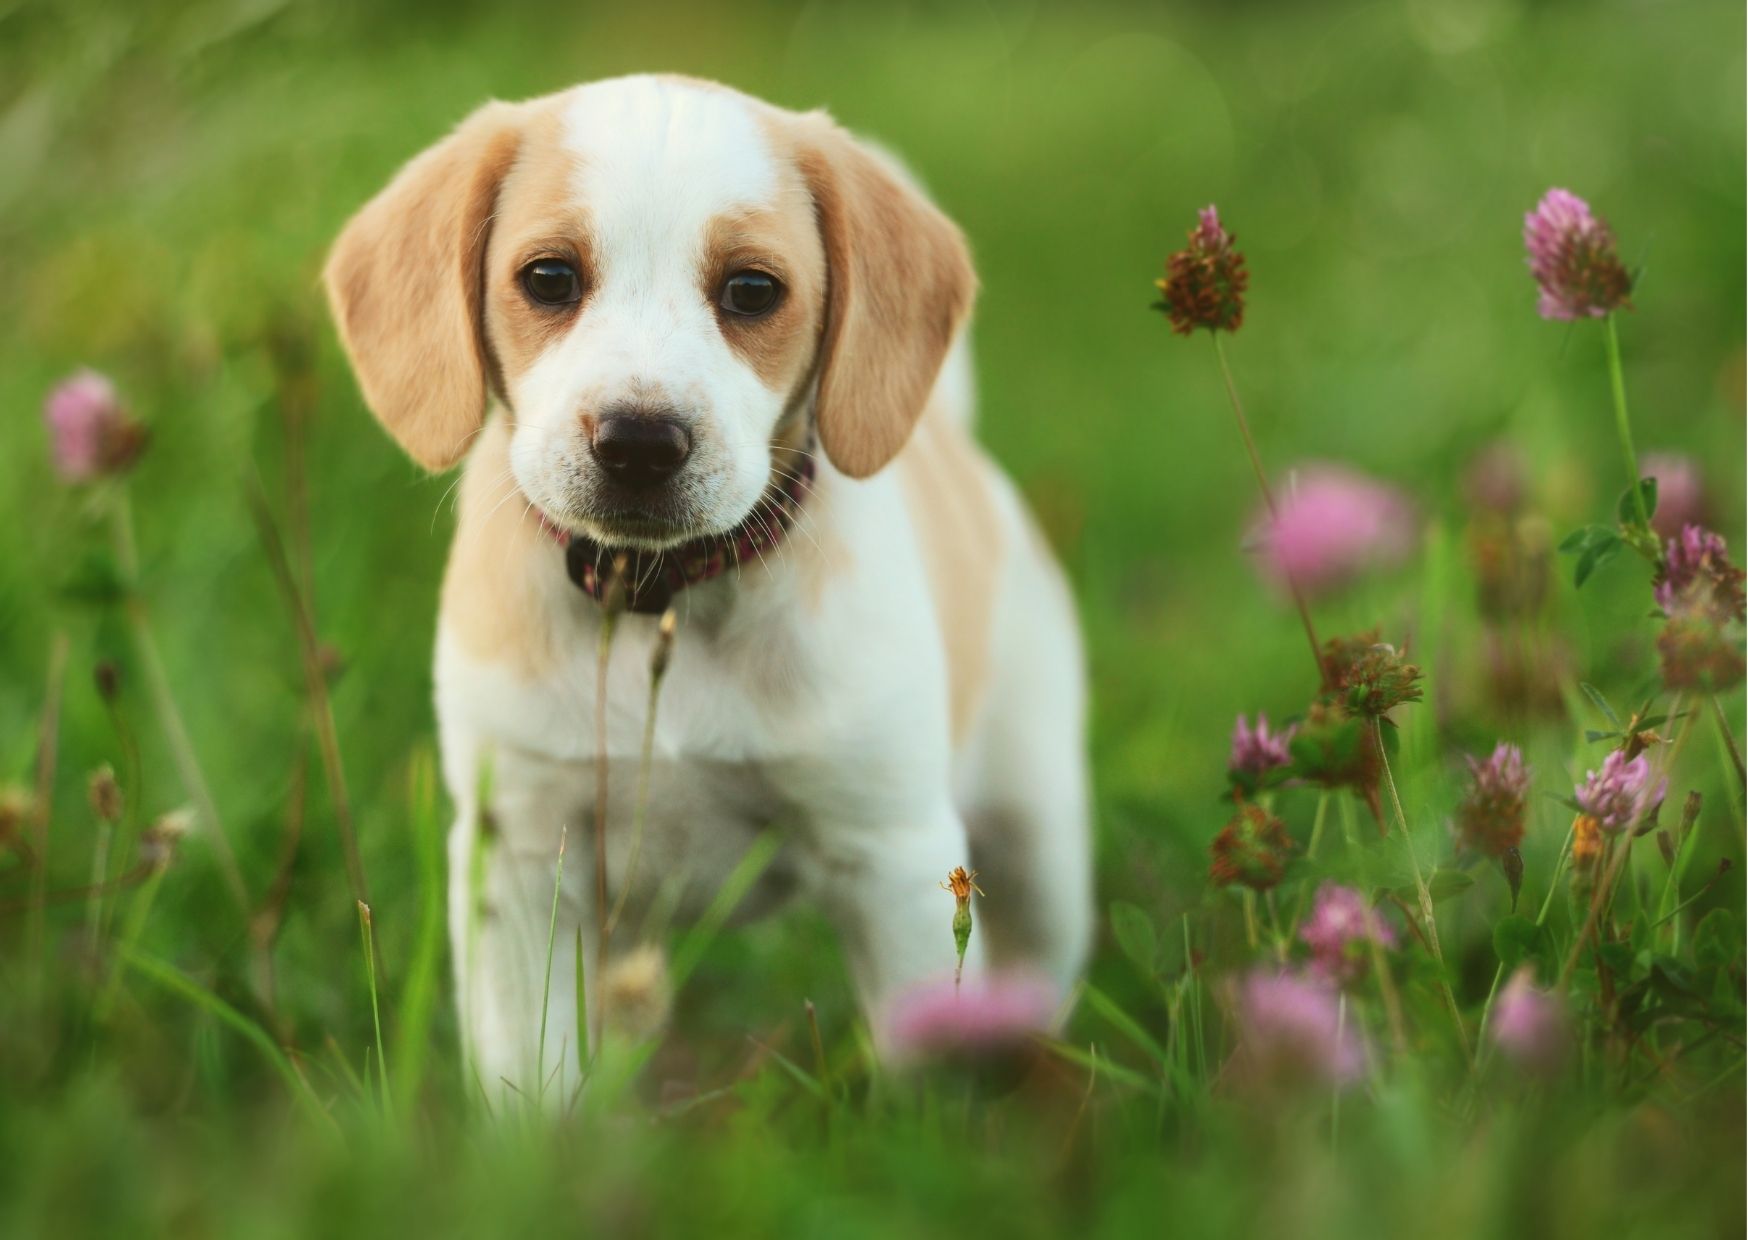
(1268, 499)
(1623, 427)
(1425, 895)
(164, 703)
(1541, 918)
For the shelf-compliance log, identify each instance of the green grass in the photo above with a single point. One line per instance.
(172, 177)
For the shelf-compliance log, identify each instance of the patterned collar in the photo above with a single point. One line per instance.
(653, 578)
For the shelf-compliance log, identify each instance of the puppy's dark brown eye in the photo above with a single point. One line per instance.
(750, 293)
(552, 282)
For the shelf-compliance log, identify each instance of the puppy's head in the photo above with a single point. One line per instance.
(659, 280)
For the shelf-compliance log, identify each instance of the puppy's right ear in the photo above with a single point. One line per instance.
(406, 282)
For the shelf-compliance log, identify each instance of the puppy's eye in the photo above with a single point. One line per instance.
(749, 293)
(552, 282)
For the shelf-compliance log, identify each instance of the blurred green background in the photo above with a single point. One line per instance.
(170, 176)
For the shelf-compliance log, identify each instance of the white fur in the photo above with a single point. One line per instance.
(826, 719)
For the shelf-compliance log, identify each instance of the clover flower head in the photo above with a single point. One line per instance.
(1529, 1024)
(979, 1017)
(90, 433)
(1696, 569)
(1330, 526)
(1291, 1031)
(1572, 257)
(1490, 818)
(1204, 284)
(1340, 931)
(1251, 850)
(1622, 793)
(1257, 751)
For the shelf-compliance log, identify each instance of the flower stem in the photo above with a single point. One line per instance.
(1268, 499)
(1499, 970)
(1618, 386)
(1425, 895)
(1599, 900)
(164, 703)
(1728, 737)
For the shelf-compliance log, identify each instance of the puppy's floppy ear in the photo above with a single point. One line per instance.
(406, 282)
(899, 286)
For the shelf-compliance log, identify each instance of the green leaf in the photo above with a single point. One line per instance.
(1135, 934)
(1581, 538)
(1600, 702)
(1629, 514)
(1517, 939)
(1591, 735)
(1594, 556)
(1717, 943)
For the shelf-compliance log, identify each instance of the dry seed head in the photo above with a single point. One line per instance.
(104, 794)
(637, 994)
(664, 644)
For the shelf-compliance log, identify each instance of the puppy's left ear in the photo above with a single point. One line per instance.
(406, 282)
(899, 287)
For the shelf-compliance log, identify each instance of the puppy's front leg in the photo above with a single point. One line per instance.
(502, 870)
(880, 884)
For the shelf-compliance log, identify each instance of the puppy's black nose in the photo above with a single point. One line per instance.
(640, 450)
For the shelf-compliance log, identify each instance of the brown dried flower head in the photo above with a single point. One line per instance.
(961, 883)
(1204, 284)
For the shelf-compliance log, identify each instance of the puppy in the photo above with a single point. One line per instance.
(701, 354)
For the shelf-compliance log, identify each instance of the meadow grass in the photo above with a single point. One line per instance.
(245, 1049)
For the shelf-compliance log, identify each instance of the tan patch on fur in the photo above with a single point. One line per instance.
(539, 215)
(782, 242)
(491, 600)
(947, 487)
(404, 281)
(899, 287)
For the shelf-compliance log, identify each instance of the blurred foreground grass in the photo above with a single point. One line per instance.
(173, 174)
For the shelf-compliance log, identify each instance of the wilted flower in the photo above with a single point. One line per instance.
(1257, 751)
(1621, 793)
(1340, 931)
(159, 841)
(1330, 526)
(1204, 284)
(636, 993)
(1696, 571)
(91, 435)
(1586, 840)
(1290, 1031)
(1333, 749)
(1370, 677)
(1680, 492)
(104, 794)
(986, 1016)
(1697, 650)
(961, 884)
(1490, 818)
(1529, 1025)
(1251, 850)
(1572, 257)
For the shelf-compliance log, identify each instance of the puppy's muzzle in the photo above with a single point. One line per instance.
(640, 451)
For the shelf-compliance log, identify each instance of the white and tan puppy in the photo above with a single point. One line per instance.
(643, 311)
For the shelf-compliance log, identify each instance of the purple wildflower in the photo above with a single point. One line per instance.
(1529, 1024)
(1697, 565)
(1257, 751)
(1331, 526)
(1339, 932)
(89, 432)
(1572, 257)
(1491, 816)
(980, 1017)
(1290, 1031)
(1620, 795)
